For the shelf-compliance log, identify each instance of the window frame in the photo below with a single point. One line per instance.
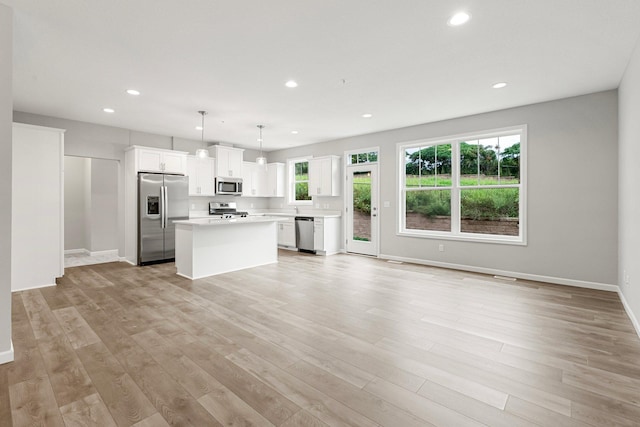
(456, 188)
(291, 181)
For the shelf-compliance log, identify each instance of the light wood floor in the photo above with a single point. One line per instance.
(314, 341)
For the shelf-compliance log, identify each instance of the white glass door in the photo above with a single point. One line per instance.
(362, 209)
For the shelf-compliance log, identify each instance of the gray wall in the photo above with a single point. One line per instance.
(6, 105)
(74, 202)
(572, 190)
(104, 205)
(629, 182)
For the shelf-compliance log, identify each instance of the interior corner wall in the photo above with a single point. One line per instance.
(6, 141)
(74, 203)
(628, 185)
(572, 199)
(104, 205)
(86, 208)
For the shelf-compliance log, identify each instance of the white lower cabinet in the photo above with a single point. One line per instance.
(326, 235)
(287, 233)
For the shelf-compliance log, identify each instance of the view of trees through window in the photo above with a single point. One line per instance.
(301, 181)
(484, 173)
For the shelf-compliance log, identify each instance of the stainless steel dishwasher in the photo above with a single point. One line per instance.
(304, 234)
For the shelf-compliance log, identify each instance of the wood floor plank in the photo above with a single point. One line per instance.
(189, 375)
(5, 401)
(124, 399)
(33, 403)
(303, 418)
(315, 402)
(155, 420)
(87, 412)
(67, 375)
(75, 327)
(267, 401)
(418, 405)
(377, 409)
(229, 409)
(175, 404)
(311, 340)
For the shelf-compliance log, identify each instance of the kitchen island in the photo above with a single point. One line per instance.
(207, 246)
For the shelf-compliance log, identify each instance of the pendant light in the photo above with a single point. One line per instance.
(261, 160)
(202, 152)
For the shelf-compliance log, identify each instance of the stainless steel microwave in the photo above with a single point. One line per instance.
(232, 186)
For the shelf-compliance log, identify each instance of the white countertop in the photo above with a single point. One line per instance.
(288, 214)
(221, 221)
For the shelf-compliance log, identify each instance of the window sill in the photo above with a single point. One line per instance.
(489, 238)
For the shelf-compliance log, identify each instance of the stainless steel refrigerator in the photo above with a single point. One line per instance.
(163, 198)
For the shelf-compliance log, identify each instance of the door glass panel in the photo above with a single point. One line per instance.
(361, 206)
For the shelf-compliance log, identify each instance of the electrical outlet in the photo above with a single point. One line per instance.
(441, 248)
(386, 204)
(193, 206)
(251, 204)
(317, 205)
(626, 278)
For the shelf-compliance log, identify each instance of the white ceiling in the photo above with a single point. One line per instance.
(398, 60)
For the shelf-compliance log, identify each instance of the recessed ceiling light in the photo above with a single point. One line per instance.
(295, 132)
(291, 84)
(499, 85)
(367, 116)
(459, 19)
(199, 128)
(108, 110)
(133, 92)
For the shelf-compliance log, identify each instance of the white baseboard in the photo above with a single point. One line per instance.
(517, 275)
(33, 287)
(76, 251)
(107, 252)
(627, 308)
(7, 356)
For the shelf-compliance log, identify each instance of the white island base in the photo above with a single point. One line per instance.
(205, 247)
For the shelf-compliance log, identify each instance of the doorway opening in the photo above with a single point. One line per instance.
(90, 211)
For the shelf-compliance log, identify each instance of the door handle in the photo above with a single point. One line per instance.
(165, 209)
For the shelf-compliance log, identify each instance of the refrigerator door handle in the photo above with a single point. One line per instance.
(163, 207)
(166, 208)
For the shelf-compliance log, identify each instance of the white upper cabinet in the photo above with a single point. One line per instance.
(324, 176)
(201, 173)
(254, 180)
(275, 180)
(158, 160)
(228, 161)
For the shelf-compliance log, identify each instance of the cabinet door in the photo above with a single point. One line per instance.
(259, 178)
(315, 177)
(275, 180)
(247, 179)
(206, 176)
(173, 162)
(192, 173)
(149, 161)
(235, 163)
(318, 234)
(287, 233)
(326, 178)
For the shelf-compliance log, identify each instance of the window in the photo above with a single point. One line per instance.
(369, 156)
(299, 181)
(468, 187)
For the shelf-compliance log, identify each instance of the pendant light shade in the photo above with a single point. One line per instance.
(261, 160)
(202, 152)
